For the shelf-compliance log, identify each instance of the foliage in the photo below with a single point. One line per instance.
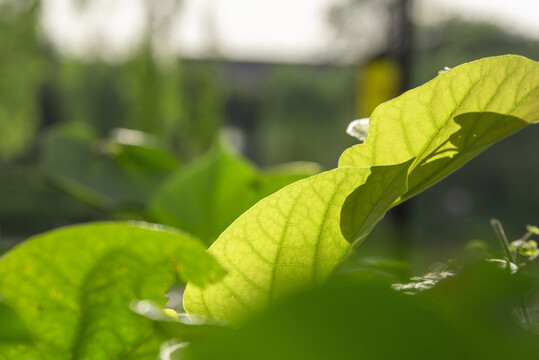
(206, 196)
(465, 317)
(12, 329)
(19, 90)
(145, 89)
(299, 236)
(132, 174)
(73, 286)
(279, 285)
(113, 173)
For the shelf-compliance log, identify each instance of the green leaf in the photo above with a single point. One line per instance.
(108, 173)
(12, 329)
(72, 287)
(299, 236)
(206, 196)
(470, 316)
(292, 239)
(365, 321)
(449, 120)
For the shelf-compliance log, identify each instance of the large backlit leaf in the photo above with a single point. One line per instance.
(300, 235)
(292, 239)
(72, 288)
(451, 119)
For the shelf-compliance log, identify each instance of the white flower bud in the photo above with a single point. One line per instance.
(359, 128)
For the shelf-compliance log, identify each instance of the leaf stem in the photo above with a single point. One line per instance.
(526, 319)
(500, 233)
(512, 257)
(526, 236)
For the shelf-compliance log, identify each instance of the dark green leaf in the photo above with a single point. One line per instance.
(122, 171)
(206, 196)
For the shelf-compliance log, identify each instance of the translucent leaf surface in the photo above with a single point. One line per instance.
(292, 239)
(72, 288)
(451, 119)
(299, 236)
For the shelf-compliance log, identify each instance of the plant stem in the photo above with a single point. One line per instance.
(526, 320)
(498, 229)
(526, 236)
(500, 233)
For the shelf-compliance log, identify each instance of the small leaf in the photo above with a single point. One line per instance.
(534, 230)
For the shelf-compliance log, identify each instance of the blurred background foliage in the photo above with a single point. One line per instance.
(88, 138)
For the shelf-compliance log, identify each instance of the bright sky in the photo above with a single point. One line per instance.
(282, 30)
(521, 16)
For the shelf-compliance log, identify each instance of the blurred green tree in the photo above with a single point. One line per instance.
(22, 67)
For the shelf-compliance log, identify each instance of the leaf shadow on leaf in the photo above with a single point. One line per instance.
(367, 204)
(477, 131)
(12, 328)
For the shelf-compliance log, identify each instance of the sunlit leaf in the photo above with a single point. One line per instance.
(451, 119)
(292, 239)
(299, 236)
(72, 288)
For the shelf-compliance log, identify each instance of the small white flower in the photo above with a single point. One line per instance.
(359, 128)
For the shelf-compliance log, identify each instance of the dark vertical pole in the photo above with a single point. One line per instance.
(402, 33)
(400, 50)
